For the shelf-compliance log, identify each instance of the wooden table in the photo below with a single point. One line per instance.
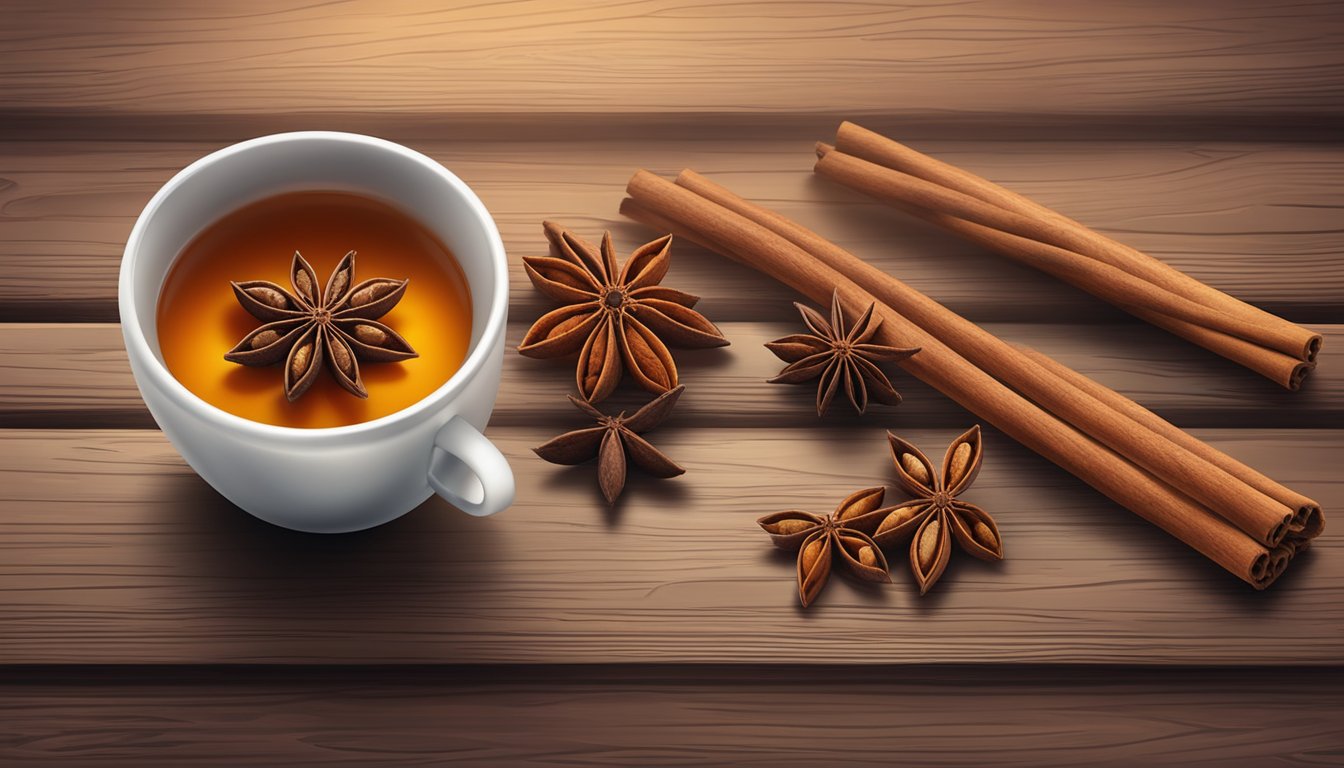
(146, 621)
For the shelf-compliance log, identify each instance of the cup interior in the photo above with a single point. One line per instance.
(315, 161)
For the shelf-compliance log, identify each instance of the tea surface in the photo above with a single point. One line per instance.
(199, 319)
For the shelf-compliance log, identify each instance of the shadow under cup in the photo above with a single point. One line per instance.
(341, 478)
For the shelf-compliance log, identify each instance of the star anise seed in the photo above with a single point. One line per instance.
(304, 330)
(616, 321)
(820, 540)
(833, 354)
(614, 440)
(935, 516)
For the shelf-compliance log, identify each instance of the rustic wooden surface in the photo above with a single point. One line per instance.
(116, 552)
(68, 206)
(621, 716)
(665, 630)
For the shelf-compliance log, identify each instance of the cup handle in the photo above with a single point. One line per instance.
(488, 471)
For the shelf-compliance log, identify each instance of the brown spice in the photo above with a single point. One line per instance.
(936, 516)
(370, 334)
(791, 526)
(616, 321)
(299, 363)
(834, 352)
(1141, 473)
(371, 291)
(1005, 221)
(929, 543)
(911, 464)
(868, 555)
(819, 540)
(341, 354)
(303, 330)
(265, 338)
(897, 517)
(613, 440)
(811, 553)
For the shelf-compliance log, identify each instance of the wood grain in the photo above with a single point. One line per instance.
(664, 631)
(113, 552)
(797, 716)
(76, 375)
(1040, 56)
(1258, 220)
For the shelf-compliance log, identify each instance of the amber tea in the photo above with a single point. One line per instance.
(323, 339)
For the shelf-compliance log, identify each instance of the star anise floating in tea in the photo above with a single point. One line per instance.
(614, 440)
(842, 535)
(306, 330)
(839, 356)
(616, 320)
(935, 516)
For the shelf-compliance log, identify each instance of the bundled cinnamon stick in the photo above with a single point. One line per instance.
(1251, 531)
(1026, 231)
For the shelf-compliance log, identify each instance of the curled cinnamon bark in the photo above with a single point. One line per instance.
(805, 261)
(1028, 232)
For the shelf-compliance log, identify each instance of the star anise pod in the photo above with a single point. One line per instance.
(616, 321)
(305, 329)
(820, 540)
(935, 515)
(834, 353)
(613, 440)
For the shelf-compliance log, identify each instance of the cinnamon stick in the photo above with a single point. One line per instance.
(910, 191)
(1261, 517)
(1172, 312)
(666, 205)
(1308, 521)
(1280, 334)
(1288, 372)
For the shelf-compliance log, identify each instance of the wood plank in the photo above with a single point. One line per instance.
(993, 56)
(1259, 220)
(77, 376)
(113, 552)
(682, 716)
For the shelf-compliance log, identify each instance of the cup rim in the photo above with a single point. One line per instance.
(138, 347)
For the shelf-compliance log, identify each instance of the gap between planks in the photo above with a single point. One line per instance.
(77, 124)
(113, 551)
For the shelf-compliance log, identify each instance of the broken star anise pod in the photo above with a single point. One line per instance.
(819, 541)
(616, 320)
(305, 329)
(936, 516)
(834, 353)
(613, 440)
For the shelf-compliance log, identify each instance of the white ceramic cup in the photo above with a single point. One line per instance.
(342, 478)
